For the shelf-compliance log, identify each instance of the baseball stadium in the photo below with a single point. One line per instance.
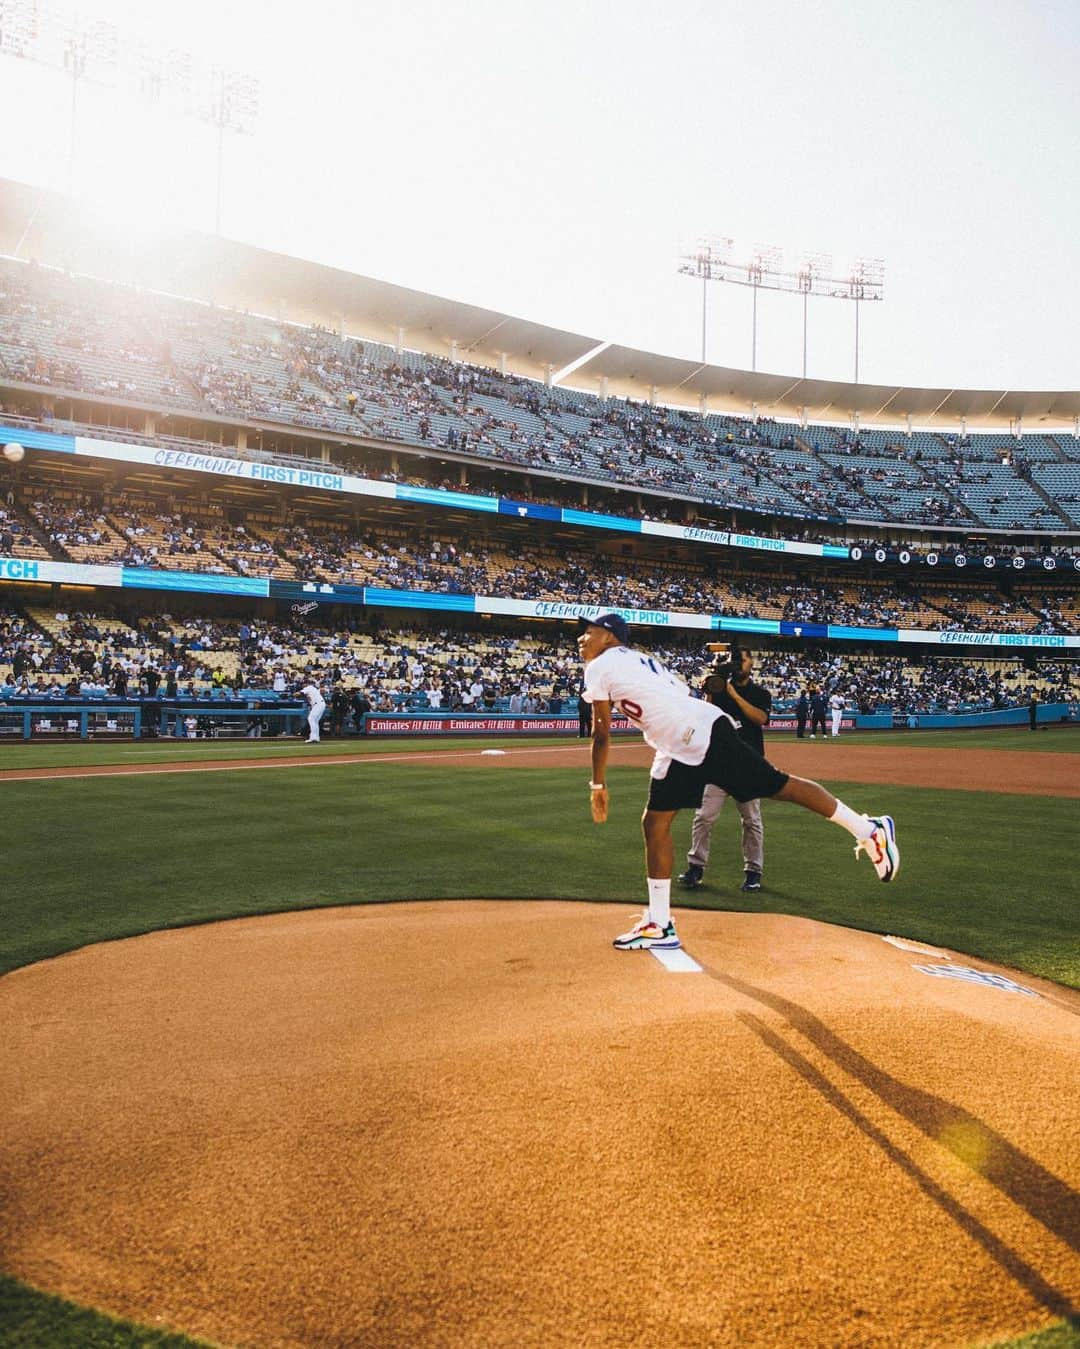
(321, 827)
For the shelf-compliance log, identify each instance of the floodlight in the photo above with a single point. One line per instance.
(763, 267)
(97, 51)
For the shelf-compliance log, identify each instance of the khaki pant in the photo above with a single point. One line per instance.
(753, 833)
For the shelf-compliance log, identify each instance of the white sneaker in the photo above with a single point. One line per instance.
(881, 848)
(647, 935)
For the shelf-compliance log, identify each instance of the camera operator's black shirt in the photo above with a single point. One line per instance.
(757, 696)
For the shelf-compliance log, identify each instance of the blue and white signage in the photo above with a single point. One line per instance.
(325, 479)
(226, 466)
(17, 569)
(66, 573)
(968, 975)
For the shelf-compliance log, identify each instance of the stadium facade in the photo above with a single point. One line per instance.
(274, 404)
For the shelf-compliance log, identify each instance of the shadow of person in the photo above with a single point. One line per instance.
(1024, 1181)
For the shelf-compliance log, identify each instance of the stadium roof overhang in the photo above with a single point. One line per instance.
(55, 231)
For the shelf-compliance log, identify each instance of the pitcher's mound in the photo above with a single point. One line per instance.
(478, 1124)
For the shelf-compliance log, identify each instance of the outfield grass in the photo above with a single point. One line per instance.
(988, 874)
(33, 1320)
(16, 754)
(1048, 739)
(1065, 1335)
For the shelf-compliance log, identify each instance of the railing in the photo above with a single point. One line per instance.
(187, 719)
(24, 718)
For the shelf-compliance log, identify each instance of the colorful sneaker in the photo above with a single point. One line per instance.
(646, 935)
(881, 848)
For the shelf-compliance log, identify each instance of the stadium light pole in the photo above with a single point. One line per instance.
(812, 267)
(82, 50)
(867, 282)
(705, 262)
(764, 268)
(764, 264)
(233, 105)
(97, 52)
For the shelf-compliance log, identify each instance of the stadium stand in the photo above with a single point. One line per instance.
(17, 538)
(169, 531)
(72, 336)
(42, 653)
(131, 366)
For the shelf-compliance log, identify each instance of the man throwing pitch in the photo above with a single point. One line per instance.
(696, 743)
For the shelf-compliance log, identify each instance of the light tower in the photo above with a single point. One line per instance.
(232, 105)
(762, 267)
(95, 51)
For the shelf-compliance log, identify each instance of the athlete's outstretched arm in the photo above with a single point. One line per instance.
(601, 740)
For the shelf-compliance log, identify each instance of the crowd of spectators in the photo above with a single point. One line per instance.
(482, 561)
(934, 685)
(16, 539)
(73, 524)
(168, 539)
(70, 333)
(67, 655)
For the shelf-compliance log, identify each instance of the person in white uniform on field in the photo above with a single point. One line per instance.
(316, 707)
(836, 705)
(696, 743)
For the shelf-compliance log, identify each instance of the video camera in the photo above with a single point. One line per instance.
(724, 659)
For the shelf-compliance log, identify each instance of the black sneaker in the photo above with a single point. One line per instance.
(691, 877)
(751, 881)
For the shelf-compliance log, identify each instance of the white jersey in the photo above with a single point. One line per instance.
(314, 698)
(836, 702)
(676, 725)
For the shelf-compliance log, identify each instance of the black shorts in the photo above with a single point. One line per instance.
(729, 763)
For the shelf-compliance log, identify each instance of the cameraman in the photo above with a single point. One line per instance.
(733, 691)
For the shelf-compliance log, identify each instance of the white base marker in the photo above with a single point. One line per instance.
(677, 961)
(903, 944)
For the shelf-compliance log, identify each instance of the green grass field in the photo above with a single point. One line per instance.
(988, 874)
(197, 847)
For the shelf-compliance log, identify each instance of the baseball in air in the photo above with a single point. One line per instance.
(13, 451)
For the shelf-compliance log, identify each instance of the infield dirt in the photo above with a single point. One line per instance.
(475, 1123)
(1027, 773)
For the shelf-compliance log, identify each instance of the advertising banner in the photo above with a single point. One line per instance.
(204, 583)
(569, 609)
(847, 723)
(228, 466)
(314, 593)
(379, 723)
(1038, 640)
(724, 538)
(66, 573)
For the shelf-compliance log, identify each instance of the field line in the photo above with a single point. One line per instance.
(195, 766)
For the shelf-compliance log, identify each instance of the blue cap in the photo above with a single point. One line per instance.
(614, 623)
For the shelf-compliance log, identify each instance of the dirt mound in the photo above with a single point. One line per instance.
(476, 1124)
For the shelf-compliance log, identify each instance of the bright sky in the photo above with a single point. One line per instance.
(549, 159)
